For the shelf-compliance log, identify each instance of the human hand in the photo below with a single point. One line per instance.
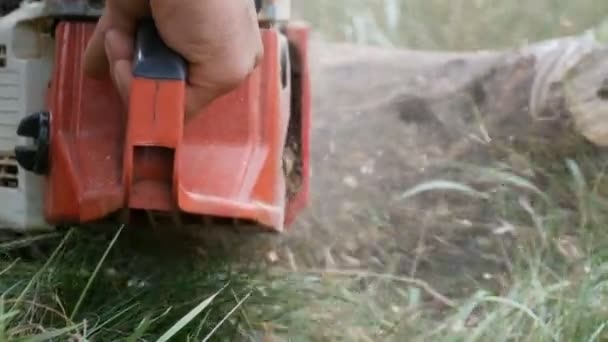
(219, 39)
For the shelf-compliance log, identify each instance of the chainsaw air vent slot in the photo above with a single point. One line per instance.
(152, 178)
(284, 59)
(2, 56)
(9, 172)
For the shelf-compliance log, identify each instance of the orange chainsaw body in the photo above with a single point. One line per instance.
(107, 157)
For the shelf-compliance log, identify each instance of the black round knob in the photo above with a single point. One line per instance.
(34, 158)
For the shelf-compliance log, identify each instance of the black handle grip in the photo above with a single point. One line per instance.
(153, 58)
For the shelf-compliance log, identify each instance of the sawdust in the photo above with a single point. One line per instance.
(292, 161)
(292, 168)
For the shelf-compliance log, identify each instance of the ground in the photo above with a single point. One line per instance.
(501, 249)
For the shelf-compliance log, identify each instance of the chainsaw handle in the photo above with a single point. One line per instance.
(153, 59)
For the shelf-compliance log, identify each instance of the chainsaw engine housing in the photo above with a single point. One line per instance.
(245, 157)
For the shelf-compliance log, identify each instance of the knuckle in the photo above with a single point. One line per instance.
(237, 69)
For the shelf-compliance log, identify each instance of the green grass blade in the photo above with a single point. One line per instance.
(95, 272)
(238, 305)
(8, 246)
(577, 174)
(442, 185)
(514, 180)
(179, 325)
(33, 280)
(4, 317)
(110, 320)
(9, 267)
(596, 334)
(49, 335)
(140, 331)
(523, 309)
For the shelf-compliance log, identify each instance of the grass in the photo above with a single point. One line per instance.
(558, 277)
(100, 290)
(89, 286)
(553, 292)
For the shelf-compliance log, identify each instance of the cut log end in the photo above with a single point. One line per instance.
(587, 96)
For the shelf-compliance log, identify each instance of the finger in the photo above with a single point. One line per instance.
(199, 96)
(119, 50)
(119, 45)
(123, 78)
(120, 16)
(222, 43)
(95, 58)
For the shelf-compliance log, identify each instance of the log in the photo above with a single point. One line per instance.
(552, 91)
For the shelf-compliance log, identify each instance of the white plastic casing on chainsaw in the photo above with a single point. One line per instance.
(26, 61)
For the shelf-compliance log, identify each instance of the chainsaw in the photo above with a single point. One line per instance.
(72, 153)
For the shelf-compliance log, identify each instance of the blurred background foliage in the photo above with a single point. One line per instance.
(449, 24)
